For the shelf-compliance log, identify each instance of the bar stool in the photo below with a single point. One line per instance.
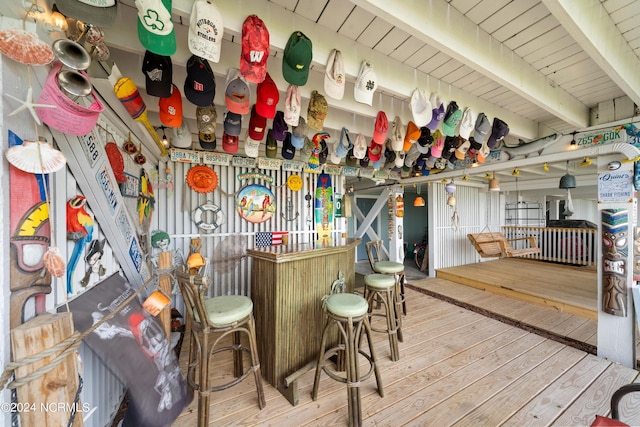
(349, 313)
(392, 268)
(380, 288)
(210, 320)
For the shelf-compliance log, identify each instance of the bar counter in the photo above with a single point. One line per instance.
(287, 286)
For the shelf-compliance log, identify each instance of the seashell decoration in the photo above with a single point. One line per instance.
(36, 157)
(25, 47)
(54, 262)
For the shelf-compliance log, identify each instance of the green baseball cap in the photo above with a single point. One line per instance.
(155, 28)
(297, 59)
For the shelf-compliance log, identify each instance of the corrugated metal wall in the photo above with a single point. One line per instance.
(476, 210)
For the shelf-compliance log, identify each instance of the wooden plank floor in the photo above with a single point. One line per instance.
(456, 367)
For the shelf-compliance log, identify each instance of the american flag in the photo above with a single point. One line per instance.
(269, 238)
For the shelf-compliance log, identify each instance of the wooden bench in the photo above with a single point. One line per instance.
(496, 245)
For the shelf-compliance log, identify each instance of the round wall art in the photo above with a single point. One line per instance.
(256, 203)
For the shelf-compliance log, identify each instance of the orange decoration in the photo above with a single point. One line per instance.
(202, 179)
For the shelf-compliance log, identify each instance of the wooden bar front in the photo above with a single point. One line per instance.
(287, 286)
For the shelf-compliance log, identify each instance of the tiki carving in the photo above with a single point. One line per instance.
(615, 248)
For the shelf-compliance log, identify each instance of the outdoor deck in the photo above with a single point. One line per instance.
(459, 365)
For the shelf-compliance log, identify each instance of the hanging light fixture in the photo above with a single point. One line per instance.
(419, 200)
(165, 140)
(567, 181)
(494, 184)
(573, 145)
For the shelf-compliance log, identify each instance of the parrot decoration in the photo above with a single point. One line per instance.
(80, 230)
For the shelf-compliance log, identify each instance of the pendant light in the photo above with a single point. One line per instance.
(419, 200)
(494, 184)
(567, 181)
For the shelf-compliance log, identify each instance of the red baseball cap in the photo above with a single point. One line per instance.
(268, 97)
(375, 151)
(170, 109)
(229, 143)
(381, 128)
(255, 49)
(257, 125)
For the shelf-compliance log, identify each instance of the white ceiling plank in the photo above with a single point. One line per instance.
(456, 75)
(515, 26)
(460, 38)
(432, 64)
(391, 41)
(533, 32)
(553, 46)
(407, 49)
(464, 5)
(557, 56)
(286, 4)
(421, 56)
(484, 9)
(613, 5)
(334, 12)
(508, 12)
(543, 41)
(586, 21)
(357, 21)
(374, 33)
(310, 9)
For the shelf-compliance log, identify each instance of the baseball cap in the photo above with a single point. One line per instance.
(251, 147)
(344, 144)
(279, 127)
(170, 108)
(255, 49)
(229, 143)
(451, 119)
(334, 80)
(271, 145)
(474, 146)
(450, 145)
(237, 95)
(155, 28)
(466, 123)
(205, 30)
(400, 158)
(232, 123)
(299, 133)
(437, 112)
(421, 108)
(200, 84)
(397, 134)
(206, 118)
(412, 156)
(317, 111)
(483, 152)
(268, 97)
(351, 160)
(297, 59)
(333, 153)
(364, 161)
(288, 150)
(158, 74)
(438, 144)
(481, 129)
(374, 151)
(324, 152)
(182, 136)
(257, 125)
(425, 140)
(366, 84)
(360, 147)
(412, 135)
(292, 105)
(461, 151)
(499, 130)
(101, 13)
(381, 128)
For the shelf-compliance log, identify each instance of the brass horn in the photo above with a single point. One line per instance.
(71, 54)
(74, 83)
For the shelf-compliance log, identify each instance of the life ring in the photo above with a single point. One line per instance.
(199, 216)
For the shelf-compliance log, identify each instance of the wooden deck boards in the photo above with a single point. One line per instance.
(457, 367)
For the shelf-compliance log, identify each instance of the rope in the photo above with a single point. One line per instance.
(66, 347)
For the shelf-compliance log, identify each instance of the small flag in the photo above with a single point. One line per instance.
(269, 238)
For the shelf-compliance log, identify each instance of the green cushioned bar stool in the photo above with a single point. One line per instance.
(392, 268)
(210, 320)
(349, 313)
(380, 288)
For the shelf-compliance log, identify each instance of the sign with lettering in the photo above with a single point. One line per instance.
(255, 175)
(269, 164)
(108, 186)
(332, 169)
(615, 187)
(184, 156)
(367, 173)
(381, 174)
(243, 162)
(350, 171)
(292, 166)
(89, 144)
(607, 136)
(218, 159)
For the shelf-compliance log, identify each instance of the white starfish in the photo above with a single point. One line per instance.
(28, 104)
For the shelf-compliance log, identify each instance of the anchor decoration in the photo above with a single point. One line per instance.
(289, 215)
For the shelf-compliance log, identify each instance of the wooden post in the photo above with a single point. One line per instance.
(49, 399)
(165, 261)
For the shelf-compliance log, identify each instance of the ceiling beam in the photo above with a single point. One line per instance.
(592, 28)
(448, 30)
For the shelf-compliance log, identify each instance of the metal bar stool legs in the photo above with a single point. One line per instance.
(349, 313)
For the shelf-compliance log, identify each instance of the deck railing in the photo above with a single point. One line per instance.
(577, 246)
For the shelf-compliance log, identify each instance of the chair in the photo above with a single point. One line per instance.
(210, 320)
(380, 289)
(349, 313)
(395, 269)
(614, 420)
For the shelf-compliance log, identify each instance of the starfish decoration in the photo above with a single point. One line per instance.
(28, 104)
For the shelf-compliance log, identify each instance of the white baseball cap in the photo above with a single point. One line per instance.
(466, 123)
(421, 108)
(334, 76)
(360, 147)
(205, 30)
(182, 136)
(251, 147)
(292, 106)
(366, 84)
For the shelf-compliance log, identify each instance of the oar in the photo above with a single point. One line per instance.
(127, 92)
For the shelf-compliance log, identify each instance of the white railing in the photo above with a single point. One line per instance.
(576, 246)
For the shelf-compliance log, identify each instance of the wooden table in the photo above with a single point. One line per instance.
(287, 286)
